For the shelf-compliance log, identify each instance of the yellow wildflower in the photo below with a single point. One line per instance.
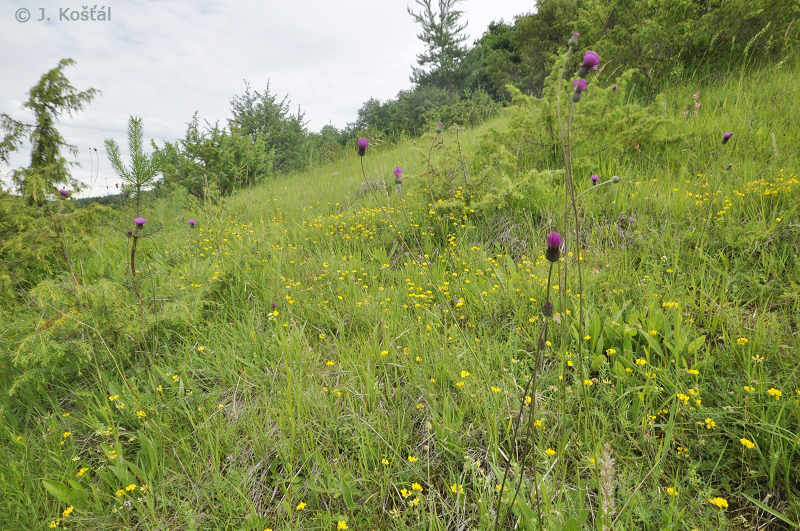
(747, 443)
(722, 503)
(774, 392)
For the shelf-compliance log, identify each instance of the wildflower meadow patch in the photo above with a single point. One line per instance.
(581, 313)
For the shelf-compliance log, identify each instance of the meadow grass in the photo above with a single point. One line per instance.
(323, 349)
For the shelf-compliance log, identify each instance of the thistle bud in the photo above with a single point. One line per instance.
(547, 309)
(573, 40)
(554, 242)
(363, 144)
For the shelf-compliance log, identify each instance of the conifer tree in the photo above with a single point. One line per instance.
(50, 98)
(443, 37)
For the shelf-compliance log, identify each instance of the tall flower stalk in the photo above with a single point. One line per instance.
(590, 62)
(553, 254)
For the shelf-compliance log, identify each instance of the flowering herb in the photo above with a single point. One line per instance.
(363, 144)
(554, 242)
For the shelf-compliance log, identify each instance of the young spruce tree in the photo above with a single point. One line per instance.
(50, 98)
(443, 37)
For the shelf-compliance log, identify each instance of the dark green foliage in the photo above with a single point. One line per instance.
(215, 157)
(327, 145)
(442, 35)
(49, 99)
(669, 39)
(261, 114)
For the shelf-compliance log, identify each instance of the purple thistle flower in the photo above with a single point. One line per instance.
(64, 193)
(614, 86)
(554, 242)
(140, 221)
(591, 60)
(595, 178)
(439, 127)
(726, 137)
(580, 86)
(192, 222)
(398, 171)
(363, 144)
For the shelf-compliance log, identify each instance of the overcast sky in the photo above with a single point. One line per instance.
(164, 60)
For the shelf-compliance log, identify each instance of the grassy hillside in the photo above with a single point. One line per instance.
(331, 351)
